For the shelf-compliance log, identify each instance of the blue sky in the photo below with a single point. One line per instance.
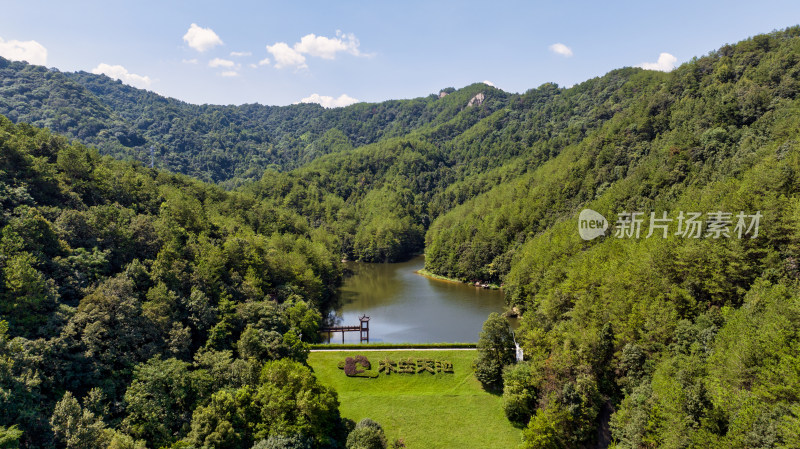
(368, 51)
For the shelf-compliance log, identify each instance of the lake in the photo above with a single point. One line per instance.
(405, 307)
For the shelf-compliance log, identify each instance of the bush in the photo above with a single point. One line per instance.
(367, 435)
(9, 437)
(284, 442)
(520, 393)
(495, 351)
(488, 372)
(548, 429)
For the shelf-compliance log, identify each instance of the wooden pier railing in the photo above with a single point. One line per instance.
(363, 327)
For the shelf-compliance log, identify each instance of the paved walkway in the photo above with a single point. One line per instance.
(393, 349)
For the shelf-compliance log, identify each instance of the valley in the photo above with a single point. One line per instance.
(175, 306)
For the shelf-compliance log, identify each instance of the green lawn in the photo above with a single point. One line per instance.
(426, 410)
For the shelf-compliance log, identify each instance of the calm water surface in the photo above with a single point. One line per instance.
(405, 307)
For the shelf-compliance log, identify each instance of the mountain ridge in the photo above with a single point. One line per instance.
(215, 143)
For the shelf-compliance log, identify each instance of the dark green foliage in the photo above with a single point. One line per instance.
(495, 351)
(520, 392)
(367, 434)
(548, 429)
(651, 329)
(380, 198)
(76, 427)
(115, 277)
(161, 398)
(287, 400)
(388, 230)
(229, 144)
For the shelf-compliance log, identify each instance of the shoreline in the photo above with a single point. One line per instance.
(436, 277)
(381, 346)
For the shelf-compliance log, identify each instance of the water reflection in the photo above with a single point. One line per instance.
(406, 307)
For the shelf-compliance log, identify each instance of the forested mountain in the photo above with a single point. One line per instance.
(676, 340)
(380, 198)
(168, 295)
(685, 342)
(152, 297)
(222, 144)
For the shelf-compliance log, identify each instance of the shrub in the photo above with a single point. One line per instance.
(362, 360)
(9, 437)
(495, 351)
(296, 441)
(351, 364)
(367, 435)
(520, 392)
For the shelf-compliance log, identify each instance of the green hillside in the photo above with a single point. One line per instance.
(688, 341)
(148, 296)
(222, 144)
(379, 199)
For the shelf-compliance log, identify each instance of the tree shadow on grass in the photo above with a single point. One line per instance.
(493, 390)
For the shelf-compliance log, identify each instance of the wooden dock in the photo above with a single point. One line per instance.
(363, 327)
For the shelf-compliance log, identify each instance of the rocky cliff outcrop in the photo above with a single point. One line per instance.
(477, 100)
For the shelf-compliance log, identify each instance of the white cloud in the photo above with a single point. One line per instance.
(561, 49)
(488, 83)
(327, 47)
(219, 62)
(286, 56)
(665, 63)
(201, 39)
(189, 61)
(264, 61)
(241, 53)
(313, 45)
(121, 73)
(229, 73)
(330, 102)
(30, 51)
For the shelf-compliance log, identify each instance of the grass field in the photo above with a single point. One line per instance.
(426, 410)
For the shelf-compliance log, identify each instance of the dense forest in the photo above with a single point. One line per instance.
(142, 307)
(138, 304)
(222, 144)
